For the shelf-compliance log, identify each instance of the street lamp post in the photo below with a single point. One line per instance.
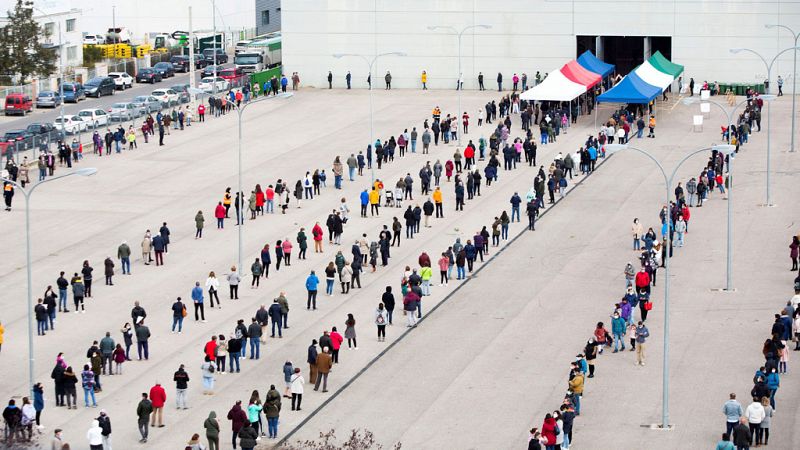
(239, 112)
(794, 75)
(768, 65)
(28, 258)
(370, 64)
(460, 73)
(729, 114)
(668, 180)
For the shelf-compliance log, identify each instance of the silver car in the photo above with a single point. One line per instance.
(48, 99)
(149, 103)
(124, 111)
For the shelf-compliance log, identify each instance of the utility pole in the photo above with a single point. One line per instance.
(191, 51)
(114, 22)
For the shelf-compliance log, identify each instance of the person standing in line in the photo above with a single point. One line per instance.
(143, 411)
(208, 368)
(336, 344)
(142, 337)
(323, 367)
(124, 255)
(104, 422)
(94, 436)
(211, 426)
(181, 379)
(765, 424)
(199, 221)
(256, 270)
(254, 334)
(312, 361)
(212, 284)
(147, 248)
(197, 298)
(238, 418)
(642, 333)
(755, 414)
(276, 316)
(233, 282)
(178, 311)
(158, 396)
(381, 318)
(108, 265)
(297, 382)
(272, 409)
(312, 284)
(350, 331)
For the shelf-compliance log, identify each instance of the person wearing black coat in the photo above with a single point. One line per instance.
(164, 232)
(760, 389)
(247, 437)
(58, 378)
(159, 246)
(410, 222)
(312, 361)
(277, 317)
(459, 196)
(741, 435)
(388, 301)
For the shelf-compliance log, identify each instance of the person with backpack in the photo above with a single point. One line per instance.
(208, 368)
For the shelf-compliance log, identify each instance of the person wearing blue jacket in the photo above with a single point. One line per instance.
(312, 282)
(618, 330)
(515, 202)
(773, 383)
(197, 298)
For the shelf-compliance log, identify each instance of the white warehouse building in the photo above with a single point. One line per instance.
(532, 35)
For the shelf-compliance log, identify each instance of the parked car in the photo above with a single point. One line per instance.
(20, 138)
(211, 84)
(166, 69)
(48, 99)
(99, 86)
(121, 80)
(222, 57)
(71, 124)
(45, 131)
(167, 97)
(183, 92)
(124, 111)
(73, 92)
(18, 104)
(208, 71)
(148, 102)
(148, 76)
(180, 63)
(94, 117)
(93, 39)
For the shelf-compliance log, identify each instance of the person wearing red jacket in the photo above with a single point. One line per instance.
(336, 342)
(424, 260)
(259, 200)
(685, 212)
(219, 213)
(317, 233)
(469, 156)
(158, 396)
(643, 280)
(270, 195)
(549, 431)
(211, 348)
(201, 111)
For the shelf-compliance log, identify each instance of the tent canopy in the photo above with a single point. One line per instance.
(653, 76)
(575, 72)
(662, 64)
(556, 87)
(592, 64)
(631, 89)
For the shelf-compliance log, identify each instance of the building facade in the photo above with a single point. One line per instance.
(527, 36)
(268, 16)
(62, 31)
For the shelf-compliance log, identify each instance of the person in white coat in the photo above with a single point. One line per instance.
(296, 383)
(755, 414)
(212, 286)
(95, 436)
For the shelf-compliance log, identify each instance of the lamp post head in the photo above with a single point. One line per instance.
(725, 149)
(736, 50)
(485, 27)
(338, 55)
(610, 149)
(770, 25)
(86, 172)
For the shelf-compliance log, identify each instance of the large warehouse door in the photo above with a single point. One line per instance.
(625, 52)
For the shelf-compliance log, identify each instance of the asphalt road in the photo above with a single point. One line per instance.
(8, 123)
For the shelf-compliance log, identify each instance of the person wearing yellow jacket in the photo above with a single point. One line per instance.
(424, 80)
(374, 201)
(426, 273)
(437, 200)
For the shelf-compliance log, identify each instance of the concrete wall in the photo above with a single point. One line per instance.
(526, 36)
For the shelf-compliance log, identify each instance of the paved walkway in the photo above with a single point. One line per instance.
(87, 218)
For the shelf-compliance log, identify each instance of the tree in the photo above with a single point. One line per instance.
(26, 55)
(328, 441)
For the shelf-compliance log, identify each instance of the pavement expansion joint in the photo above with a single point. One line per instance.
(724, 290)
(659, 427)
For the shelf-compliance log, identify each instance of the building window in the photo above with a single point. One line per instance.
(72, 53)
(49, 29)
(70, 25)
(265, 17)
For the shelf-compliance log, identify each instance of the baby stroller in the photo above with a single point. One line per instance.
(389, 198)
